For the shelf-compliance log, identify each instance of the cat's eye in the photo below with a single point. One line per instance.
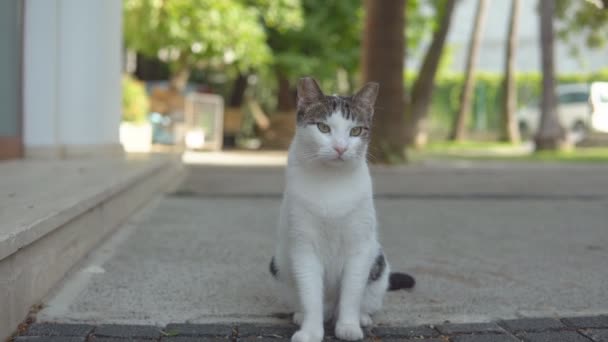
(323, 127)
(356, 131)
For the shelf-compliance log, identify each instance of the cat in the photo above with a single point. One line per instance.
(328, 258)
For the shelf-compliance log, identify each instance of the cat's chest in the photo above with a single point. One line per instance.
(330, 197)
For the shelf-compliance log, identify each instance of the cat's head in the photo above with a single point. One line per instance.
(334, 130)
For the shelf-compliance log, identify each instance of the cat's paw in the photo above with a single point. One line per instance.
(298, 318)
(307, 336)
(366, 320)
(349, 332)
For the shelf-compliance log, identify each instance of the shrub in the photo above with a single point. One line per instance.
(135, 102)
(487, 97)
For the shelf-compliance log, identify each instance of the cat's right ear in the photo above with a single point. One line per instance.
(308, 92)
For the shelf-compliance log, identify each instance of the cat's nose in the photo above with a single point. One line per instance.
(340, 149)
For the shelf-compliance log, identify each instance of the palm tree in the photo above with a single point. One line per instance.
(509, 129)
(383, 56)
(422, 90)
(462, 118)
(550, 135)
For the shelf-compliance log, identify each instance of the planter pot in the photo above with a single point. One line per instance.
(136, 137)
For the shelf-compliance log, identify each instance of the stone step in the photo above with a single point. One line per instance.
(54, 212)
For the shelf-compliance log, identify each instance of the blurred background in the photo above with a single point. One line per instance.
(458, 78)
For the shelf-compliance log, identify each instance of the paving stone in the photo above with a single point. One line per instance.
(484, 338)
(58, 329)
(469, 328)
(209, 330)
(531, 324)
(412, 340)
(270, 339)
(277, 331)
(50, 339)
(194, 339)
(554, 336)
(597, 335)
(420, 331)
(119, 339)
(587, 322)
(133, 331)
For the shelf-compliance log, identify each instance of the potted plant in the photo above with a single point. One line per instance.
(135, 129)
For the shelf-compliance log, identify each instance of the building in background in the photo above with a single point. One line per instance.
(492, 51)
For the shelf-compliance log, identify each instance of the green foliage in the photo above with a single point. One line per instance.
(279, 14)
(578, 18)
(422, 18)
(328, 39)
(135, 102)
(207, 33)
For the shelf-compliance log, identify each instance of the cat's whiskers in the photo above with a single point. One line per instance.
(369, 155)
(308, 157)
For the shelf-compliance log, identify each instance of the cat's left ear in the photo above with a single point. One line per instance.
(366, 96)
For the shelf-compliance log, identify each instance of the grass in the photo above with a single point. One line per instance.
(498, 151)
(583, 154)
(467, 145)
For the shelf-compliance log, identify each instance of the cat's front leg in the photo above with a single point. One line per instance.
(354, 280)
(308, 277)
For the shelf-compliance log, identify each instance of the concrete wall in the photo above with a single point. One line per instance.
(72, 74)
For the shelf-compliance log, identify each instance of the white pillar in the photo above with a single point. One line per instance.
(73, 97)
(40, 77)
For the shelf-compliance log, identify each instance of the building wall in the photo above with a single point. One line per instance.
(72, 73)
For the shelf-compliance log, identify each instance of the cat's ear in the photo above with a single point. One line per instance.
(366, 96)
(308, 92)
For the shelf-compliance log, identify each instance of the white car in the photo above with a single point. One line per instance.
(580, 108)
(599, 106)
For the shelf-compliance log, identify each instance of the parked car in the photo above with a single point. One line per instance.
(573, 110)
(599, 106)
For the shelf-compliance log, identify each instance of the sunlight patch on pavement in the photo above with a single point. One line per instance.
(237, 158)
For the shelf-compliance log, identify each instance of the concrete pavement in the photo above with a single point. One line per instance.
(485, 244)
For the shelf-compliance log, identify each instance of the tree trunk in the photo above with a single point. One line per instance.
(383, 57)
(286, 99)
(510, 130)
(424, 86)
(238, 90)
(550, 135)
(179, 78)
(462, 118)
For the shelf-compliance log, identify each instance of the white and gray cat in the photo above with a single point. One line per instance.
(328, 258)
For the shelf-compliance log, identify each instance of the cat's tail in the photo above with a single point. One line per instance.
(398, 281)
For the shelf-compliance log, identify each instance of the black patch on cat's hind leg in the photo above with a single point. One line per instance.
(273, 268)
(377, 268)
(396, 280)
